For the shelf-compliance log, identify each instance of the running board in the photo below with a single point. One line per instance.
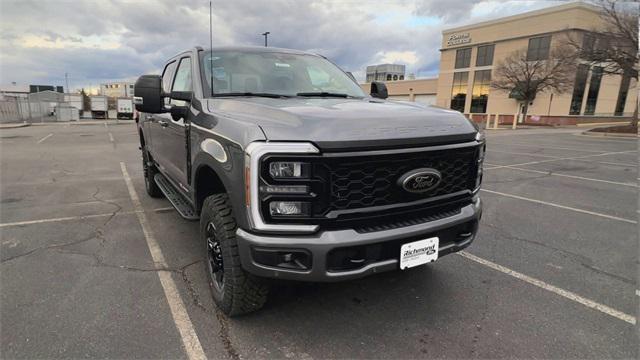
(176, 199)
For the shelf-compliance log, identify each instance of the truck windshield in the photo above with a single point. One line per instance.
(243, 73)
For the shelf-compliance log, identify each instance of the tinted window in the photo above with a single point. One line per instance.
(167, 75)
(463, 58)
(578, 89)
(538, 48)
(485, 55)
(480, 93)
(594, 90)
(459, 90)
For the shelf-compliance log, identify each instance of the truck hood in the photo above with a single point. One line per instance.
(348, 123)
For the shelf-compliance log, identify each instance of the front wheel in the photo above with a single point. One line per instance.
(150, 172)
(235, 291)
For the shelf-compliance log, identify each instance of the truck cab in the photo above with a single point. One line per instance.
(294, 173)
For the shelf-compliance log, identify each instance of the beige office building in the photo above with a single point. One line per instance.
(470, 53)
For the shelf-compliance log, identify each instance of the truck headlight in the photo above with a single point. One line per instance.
(287, 169)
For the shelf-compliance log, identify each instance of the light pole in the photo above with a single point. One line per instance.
(266, 36)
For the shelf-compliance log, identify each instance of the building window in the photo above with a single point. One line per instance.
(594, 89)
(538, 48)
(485, 55)
(395, 77)
(622, 95)
(463, 58)
(480, 92)
(459, 90)
(388, 77)
(578, 89)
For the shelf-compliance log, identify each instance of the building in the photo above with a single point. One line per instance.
(15, 90)
(385, 72)
(470, 53)
(117, 89)
(422, 90)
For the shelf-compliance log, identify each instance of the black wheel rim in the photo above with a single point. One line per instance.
(214, 257)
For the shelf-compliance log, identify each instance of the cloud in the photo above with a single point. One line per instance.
(117, 39)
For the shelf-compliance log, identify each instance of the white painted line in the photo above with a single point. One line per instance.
(563, 158)
(611, 217)
(554, 289)
(638, 292)
(45, 138)
(111, 137)
(563, 175)
(68, 218)
(544, 146)
(181, 318)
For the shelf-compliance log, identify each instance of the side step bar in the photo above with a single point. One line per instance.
(176, 199)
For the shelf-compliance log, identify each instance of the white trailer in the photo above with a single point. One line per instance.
(74, 100)
(124, 107)
(99, 106)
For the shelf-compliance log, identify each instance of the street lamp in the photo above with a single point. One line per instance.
(266, 35)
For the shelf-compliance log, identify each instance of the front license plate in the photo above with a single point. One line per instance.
(418, 252)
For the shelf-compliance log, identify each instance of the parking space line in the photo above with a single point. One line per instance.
(554, 289)
(45, 138)
(181, 318)
(68, 218)
(543, 146)
(562, 175)
(111, 137)
(611, 217)
(561, 158)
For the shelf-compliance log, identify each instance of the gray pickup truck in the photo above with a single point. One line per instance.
(295, 173)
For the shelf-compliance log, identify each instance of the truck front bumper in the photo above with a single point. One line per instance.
(346, 254)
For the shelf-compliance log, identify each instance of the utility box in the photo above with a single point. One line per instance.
(99, 106)
(124, 107)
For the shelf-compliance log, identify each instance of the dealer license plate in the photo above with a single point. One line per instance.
(418, 252)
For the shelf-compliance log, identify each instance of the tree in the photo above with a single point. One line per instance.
(523, 78)
(86, 103)
(613, 46)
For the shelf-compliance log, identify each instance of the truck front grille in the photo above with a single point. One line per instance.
(367, 181)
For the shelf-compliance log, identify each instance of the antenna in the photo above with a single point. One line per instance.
(211, 47)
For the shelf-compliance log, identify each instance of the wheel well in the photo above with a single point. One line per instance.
(207, 183)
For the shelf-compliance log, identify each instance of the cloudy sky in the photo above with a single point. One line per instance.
(105, 40)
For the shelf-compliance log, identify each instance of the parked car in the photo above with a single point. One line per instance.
(294, 173)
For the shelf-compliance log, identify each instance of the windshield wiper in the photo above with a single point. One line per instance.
(322, 94)
(267, 95)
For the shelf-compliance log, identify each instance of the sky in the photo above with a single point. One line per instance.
(95, 41)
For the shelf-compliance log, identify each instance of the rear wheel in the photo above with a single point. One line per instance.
(150, 172)
(235, 291)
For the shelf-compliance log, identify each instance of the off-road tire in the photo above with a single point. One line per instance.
(241, 292)
(150, 172)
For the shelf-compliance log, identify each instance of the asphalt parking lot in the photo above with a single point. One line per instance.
(552, 274)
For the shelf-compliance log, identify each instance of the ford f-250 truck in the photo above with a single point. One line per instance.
(295, 173)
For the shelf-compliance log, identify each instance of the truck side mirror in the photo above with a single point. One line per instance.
(147, 94)
(379, 90)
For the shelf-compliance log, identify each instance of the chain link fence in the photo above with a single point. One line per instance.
(17, 110)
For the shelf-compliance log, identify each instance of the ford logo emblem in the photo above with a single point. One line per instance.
(420, 180)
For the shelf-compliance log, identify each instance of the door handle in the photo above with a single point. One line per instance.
(163, 123)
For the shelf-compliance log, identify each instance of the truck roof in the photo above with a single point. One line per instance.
(256, 49)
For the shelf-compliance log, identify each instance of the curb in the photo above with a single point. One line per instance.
(13, 126)
(614, 135)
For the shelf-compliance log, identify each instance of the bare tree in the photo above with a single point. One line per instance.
(613, 46)
(524, 78)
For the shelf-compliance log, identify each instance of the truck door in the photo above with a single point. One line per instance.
(151, 124)
(173, 132)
